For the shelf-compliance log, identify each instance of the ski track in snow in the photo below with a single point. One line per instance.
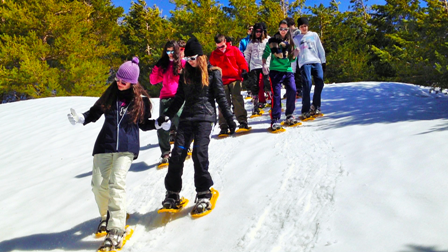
(309, 179)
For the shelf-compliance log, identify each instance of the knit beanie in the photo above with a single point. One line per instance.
(193, 47)
(129, 71)
(302, 21)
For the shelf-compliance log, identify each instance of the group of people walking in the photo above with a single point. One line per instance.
(191, 86)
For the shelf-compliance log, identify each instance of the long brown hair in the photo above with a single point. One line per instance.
(137, 112)
(192, 73)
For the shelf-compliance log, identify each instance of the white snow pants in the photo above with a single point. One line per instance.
(109, 186)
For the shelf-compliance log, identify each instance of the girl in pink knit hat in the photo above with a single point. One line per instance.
(126, 108)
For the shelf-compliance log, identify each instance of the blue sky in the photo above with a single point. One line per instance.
(166, 6)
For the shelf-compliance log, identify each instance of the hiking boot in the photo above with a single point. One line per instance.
(256, 111)
(202, 202)
(224, 131)
(306, 115)
(102, 227)
(315, 110)
(255, 101)
(171, 201)
(243, 125)
(172, 136)
(262, 105)
(290, 120)
(275, 125)
(165, 159)
(113, 241)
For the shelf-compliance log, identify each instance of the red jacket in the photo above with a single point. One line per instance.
(232, 63)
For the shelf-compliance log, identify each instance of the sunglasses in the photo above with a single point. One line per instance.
(169, 52)
(120, 81)
(250, 29)
(258, 31)
(181, 49)
(192, 58)
(219, 47)
(283, 29)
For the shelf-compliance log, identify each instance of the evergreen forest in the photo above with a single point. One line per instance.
(73, 47)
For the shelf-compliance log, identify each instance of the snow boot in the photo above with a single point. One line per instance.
(244, 125)
(171, 201)
(224, 131)
(102, 227)
(113, 241)
(202, 202)
(290, 120)
(275, 125)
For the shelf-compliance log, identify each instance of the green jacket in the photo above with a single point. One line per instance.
(277, 64)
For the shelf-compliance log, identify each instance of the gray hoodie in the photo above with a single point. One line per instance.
(254, 52)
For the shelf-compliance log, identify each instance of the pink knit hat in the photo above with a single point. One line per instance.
(129, 71)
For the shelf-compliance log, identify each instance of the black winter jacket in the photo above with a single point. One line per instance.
(200, 101)
(119, 133)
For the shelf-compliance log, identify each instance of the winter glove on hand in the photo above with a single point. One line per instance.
(162, 119)
(75, 118)
(165, 125)
(324, 67)
(232, 125)
(265, 69)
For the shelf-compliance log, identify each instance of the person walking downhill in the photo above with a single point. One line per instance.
(294, 65)
(167, 70)
(200, 86)
(234, 69)
(242, 47)
(312, 63)
(253, 55)
(281, 49)
(126, 108)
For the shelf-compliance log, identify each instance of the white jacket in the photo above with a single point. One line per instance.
(311, 49)
(254, 53)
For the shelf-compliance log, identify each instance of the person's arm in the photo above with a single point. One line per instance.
(248, 52)
(178, 99)
(147, 124)
(320, 50)
(93, 114)
(156, 75)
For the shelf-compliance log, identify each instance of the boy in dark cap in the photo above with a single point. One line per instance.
(312, 63)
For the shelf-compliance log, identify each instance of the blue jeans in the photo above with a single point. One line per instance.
(314, 70)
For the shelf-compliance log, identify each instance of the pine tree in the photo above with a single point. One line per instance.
(52, 47)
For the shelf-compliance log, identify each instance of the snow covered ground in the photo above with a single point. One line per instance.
(369, 176)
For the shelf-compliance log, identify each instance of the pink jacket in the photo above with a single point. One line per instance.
(169, 81)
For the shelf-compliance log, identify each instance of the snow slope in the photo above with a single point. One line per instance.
(369, 176)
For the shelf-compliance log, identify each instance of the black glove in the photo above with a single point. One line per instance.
(324, 67)
(162, 119)
(244, 74)
(232, 126)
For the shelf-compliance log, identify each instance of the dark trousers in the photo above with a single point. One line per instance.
(298, 78)
(315, 71)
(188, 131)
(254, 81)
(287, 78)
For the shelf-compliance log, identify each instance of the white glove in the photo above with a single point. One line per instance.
(75, 118)
(165, 125)
(265, 69)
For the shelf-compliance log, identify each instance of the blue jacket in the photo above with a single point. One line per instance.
(119, 133)
(243, 43)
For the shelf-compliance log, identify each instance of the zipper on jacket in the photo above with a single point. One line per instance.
(119, 121)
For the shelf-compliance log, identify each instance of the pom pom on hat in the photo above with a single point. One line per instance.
(193, 48)
(129, 71)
